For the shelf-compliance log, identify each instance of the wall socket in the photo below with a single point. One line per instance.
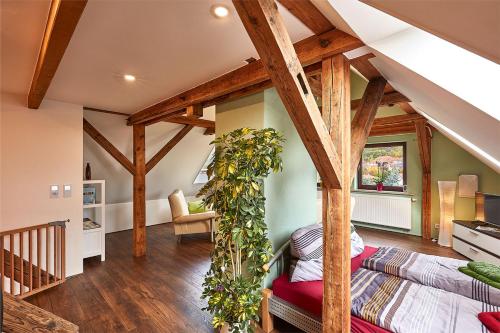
(436, 226)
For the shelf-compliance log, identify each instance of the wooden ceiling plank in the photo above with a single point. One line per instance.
(364, 118)
(270, 37)
(310, 50)
(308, 14)
(108, 146)
(61, 23)
(168, 147)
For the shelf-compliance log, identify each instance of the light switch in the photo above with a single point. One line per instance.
(54, 191)
(67, 191)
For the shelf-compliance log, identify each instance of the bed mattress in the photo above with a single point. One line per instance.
(309, 295)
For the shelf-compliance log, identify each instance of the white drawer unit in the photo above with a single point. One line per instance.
(473, 252)
(475, 244)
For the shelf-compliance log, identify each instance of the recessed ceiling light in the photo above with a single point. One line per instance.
(219, 11)
(129, 78)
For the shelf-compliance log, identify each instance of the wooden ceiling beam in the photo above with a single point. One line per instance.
(364, 118)
(310, 50)
(168, 147)
(281, 62)
(86, 108)
(308, 14)
(108, 146)
(389, 99)
(61, 23)
(393, 120)
(392, 130)
(195, 110)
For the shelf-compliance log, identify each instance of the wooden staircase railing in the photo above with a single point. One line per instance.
(32, 259)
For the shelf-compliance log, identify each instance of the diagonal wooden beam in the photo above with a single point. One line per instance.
(310, 50)
(364, 118)
(61, 23)
(389, 99)
(108, 146)
(270, 37)
(308, 14)
(168, 147)
(336, 202)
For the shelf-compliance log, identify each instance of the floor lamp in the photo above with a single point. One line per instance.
(446, 211)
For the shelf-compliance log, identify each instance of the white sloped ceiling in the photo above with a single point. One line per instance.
(454, 88)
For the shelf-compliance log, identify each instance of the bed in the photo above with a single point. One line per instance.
(300, 303)
(392, 290)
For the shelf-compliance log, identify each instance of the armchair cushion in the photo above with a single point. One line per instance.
(196, 207)
(195, 217)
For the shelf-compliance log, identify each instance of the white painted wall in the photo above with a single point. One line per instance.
(39, 148)
(176, 170)
(119, 215)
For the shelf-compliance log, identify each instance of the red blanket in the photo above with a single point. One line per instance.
(309, 295)
(491, 320)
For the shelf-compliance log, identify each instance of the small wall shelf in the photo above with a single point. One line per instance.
(94, 241)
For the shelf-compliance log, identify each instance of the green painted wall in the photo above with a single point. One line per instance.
(448, 162)
(290, 195)
(414, 180)
(244, 112)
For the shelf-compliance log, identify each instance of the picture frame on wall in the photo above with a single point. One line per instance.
(467, 186)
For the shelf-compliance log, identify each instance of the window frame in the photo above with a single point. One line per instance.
(362, 186)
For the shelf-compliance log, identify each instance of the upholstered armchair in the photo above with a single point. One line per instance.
(185, 223)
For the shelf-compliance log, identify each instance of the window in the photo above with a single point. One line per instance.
(386, 162)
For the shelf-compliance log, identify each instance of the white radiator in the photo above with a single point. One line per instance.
(385, 210)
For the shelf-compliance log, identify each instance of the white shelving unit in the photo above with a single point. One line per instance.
(94, 241)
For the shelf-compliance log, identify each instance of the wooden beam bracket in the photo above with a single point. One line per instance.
(108, 146)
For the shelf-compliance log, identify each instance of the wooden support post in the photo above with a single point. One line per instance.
(424, 148)
(139, 210)
(336, 202)
(267, 318)
(364, 118)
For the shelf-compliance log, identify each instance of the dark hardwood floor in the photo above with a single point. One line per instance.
(160, 292)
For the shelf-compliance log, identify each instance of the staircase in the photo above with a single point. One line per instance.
(32, 259)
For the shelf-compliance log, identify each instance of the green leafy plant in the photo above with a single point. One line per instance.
(243, 159)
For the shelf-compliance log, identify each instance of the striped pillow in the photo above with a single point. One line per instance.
(307, 242)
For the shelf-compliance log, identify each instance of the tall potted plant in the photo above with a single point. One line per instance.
(242, 160)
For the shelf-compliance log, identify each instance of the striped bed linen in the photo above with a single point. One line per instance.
(433, 271)
(402, 306)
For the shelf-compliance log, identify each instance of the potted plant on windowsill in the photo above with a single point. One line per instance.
(242, 160)
(381, 176)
